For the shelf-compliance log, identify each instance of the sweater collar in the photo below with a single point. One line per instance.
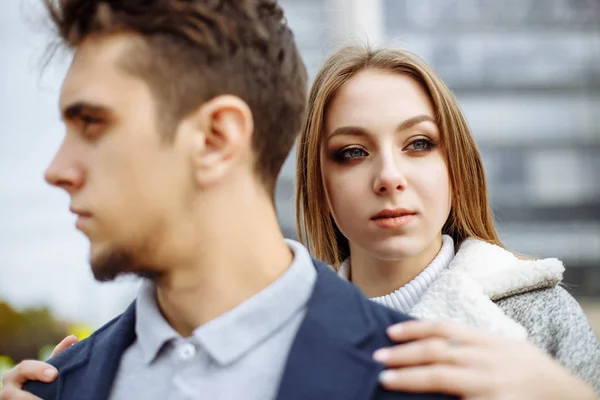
(406, 297)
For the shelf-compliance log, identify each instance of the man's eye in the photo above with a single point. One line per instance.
(90, 126)
(89, 120)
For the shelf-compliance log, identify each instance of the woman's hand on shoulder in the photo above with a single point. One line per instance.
(446, 357)
(31, 370)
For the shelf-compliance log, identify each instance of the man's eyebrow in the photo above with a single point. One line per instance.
(75, 110)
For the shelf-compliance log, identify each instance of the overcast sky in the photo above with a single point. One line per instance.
(43, 259)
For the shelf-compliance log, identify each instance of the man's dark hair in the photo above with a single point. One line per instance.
(195, 50)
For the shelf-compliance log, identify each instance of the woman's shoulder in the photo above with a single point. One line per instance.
(501, 273)
(556, 323)
(540, 307)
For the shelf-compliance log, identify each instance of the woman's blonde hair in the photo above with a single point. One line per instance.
(470, 214)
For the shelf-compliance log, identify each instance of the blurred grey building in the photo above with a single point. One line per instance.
(525, 72)
(527, 75)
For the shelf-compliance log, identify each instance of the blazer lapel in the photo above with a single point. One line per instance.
(324, 362)
(94, 380)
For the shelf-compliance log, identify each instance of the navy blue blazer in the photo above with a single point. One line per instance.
(330, 359)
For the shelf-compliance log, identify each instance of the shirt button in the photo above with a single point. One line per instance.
(186, 351)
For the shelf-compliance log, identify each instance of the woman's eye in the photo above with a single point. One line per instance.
(420, 145)
(356, 152)
(351, 153)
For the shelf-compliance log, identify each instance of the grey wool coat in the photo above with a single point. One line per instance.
(490, 288)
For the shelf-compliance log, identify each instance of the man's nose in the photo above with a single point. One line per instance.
(64, 171)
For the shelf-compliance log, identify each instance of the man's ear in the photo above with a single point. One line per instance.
(220, 132)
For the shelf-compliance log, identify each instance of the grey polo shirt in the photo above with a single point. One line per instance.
(239, 355)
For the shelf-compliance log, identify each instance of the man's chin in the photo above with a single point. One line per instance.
(109, 264)
(105, 269)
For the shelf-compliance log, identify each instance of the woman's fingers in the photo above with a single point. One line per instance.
(29, 370)
(455, 333)
(64, 344)
(443, 357)
(434, 378)
(11, 393)
(425, 351)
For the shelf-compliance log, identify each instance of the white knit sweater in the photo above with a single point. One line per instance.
(406, 297)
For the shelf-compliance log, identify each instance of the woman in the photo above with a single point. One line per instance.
(391, 192)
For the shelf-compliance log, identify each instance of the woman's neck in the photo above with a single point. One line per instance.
(378, 277)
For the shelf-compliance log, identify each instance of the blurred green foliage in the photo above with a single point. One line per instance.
(23, 334)
(5, 363)
(32, 334)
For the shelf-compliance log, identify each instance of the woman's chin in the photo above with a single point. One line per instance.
(396, 248)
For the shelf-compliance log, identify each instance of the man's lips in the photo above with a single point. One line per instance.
(82, 218)
(80, 213)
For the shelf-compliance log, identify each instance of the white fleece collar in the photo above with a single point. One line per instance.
(480, 273)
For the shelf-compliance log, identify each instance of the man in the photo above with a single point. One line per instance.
(179, 115)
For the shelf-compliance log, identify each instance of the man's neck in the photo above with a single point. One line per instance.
(240, 256)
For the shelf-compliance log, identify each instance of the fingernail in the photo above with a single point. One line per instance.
(395, 329)
(386, 376)
(50, 373)
(381, 355)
